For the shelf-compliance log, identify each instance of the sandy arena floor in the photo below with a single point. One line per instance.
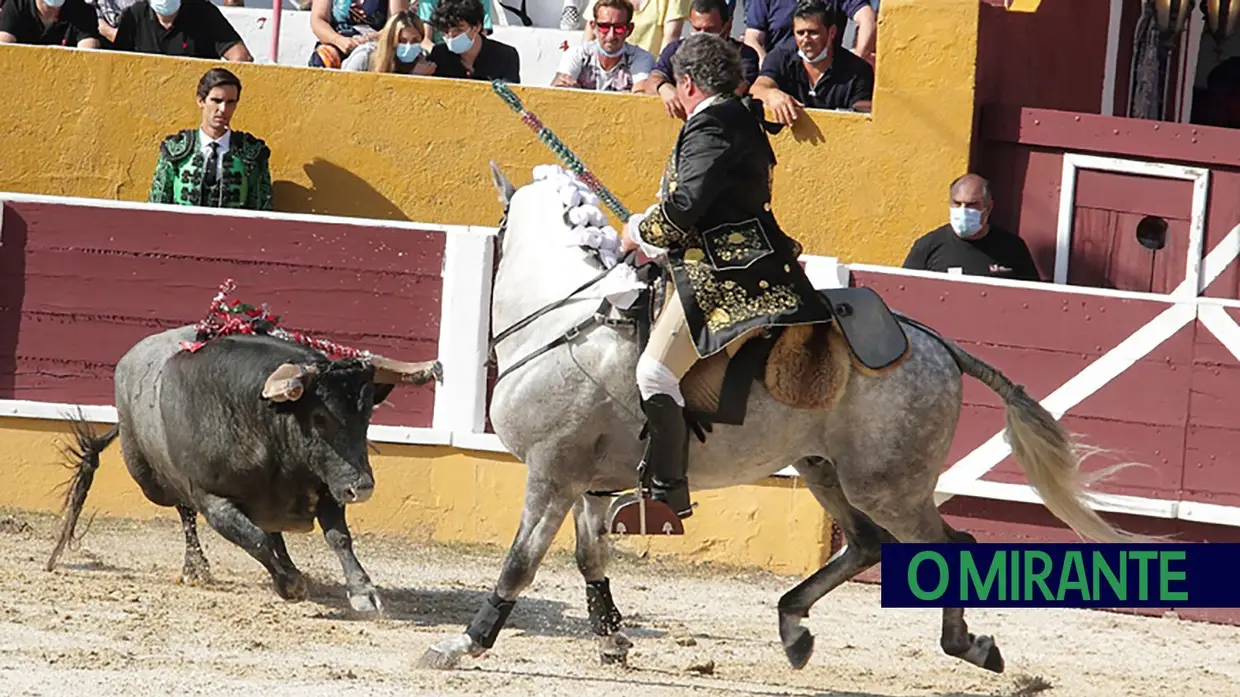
(112, 620)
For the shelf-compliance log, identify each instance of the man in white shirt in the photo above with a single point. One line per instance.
(608, 63)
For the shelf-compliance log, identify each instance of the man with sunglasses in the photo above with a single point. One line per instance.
(607, 63)
(733, 270)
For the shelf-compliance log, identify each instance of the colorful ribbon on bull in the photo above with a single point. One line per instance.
(561, 150)
(223, 319)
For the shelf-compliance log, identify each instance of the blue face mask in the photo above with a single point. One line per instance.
(966, 222)
(408, 53)
(54, 3)
(165, 7)
(459, 43)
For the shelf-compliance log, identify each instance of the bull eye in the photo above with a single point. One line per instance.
(320, 421)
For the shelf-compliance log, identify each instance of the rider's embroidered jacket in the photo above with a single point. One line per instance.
(733, 266)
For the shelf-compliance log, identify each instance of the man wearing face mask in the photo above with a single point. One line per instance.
(49, 23)
(711, 17)
(970, 242)
(733, 270)
(188, 28)
(467, 53)
(608, 63)
(812, 72)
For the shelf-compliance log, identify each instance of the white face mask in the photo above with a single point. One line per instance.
(966, 222)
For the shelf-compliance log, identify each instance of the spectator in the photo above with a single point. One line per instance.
(655, 23)
(768, 25)
(398, 50)
(466, 52)
(426, 9)
(969, 242)
(343, 25)
(189, 28)
(213, 165)
(609, 63)
(812, 73)
(49, 23)
(109, 13)
(705, 16)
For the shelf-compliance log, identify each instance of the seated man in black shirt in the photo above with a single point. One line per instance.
(188, 28)
(812, 73)
(467, 53)
(49, 23)
(969, 242)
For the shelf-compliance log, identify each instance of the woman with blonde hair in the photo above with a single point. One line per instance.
(398, 49)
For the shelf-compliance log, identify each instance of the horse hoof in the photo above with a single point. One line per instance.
(800, 649)
(613, 649)
(447, 654)
(366, 602)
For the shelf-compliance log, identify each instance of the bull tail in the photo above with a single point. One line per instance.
(1044, 450)
(84, 460)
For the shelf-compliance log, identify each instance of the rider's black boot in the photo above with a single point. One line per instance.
(667, 453)
(666, 459)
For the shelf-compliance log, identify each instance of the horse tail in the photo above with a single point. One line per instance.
(85, 457)
(1044, 451)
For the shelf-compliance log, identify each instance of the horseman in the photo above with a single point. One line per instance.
(733, 270)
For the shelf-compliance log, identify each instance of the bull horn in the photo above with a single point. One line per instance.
(287, 383)
(392, 372)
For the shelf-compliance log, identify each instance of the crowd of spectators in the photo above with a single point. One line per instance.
(792, 51)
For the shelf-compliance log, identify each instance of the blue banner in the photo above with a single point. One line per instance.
(1078, 575)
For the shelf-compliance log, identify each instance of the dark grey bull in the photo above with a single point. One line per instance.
(260, 435)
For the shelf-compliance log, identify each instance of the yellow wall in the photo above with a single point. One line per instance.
(854, 186)
(438, 494)
(847, 185)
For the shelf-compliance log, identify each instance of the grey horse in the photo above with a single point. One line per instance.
(571, 415)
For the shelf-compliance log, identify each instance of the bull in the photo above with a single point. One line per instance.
(260, 435)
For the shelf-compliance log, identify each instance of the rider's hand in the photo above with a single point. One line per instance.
(784, 107)
(667, 92)
(628, 239)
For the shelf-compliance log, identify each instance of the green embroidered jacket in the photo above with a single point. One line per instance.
(244, 183)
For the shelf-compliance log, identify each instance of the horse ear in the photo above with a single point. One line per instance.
(505, 187)
(289, 382)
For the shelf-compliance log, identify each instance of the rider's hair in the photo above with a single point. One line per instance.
(617, 4)
(816, 8)
(707, 6)
(451, 13)
(711, 63)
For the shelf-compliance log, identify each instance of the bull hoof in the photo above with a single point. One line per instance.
(447, 654)
(613, 649)
(984, 653)
(799, 648)
(293, 588)
(994, 659)
(193, 575)
(366, 602)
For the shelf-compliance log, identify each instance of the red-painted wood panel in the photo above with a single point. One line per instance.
(71, 304)
(202, 236)
(1134, 193)
(1069, 77)
(1222, 218)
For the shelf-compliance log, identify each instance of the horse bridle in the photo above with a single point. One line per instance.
(599, 316)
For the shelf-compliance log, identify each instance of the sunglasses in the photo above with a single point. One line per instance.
(608, 28)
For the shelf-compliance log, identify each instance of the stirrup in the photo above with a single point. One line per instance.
(636, 513)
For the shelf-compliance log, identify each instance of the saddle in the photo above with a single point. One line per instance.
(804, 366)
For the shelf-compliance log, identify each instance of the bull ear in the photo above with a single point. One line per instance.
(288, 382)
(390, 372)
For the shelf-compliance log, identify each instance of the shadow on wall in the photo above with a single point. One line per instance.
(333, 190)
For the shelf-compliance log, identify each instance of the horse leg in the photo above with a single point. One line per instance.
(924, 524)
(863, 551)
(593, 553)
(547, 502)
